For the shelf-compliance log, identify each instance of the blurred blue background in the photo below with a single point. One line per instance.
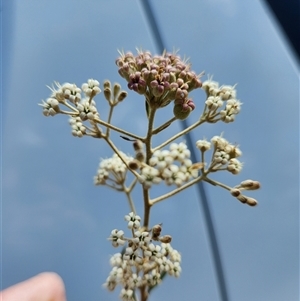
(54, 218)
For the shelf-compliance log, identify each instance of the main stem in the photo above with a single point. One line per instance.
(146, 196)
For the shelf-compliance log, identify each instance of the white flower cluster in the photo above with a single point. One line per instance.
(224, 155)
(69, 95)
(221, 102)
(143, 262)
(173, 166)
(112, 171)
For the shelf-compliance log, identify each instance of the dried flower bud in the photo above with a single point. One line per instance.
(156, 231)
(235, 192)
(165, 239)
(134, 165)
(138, 145)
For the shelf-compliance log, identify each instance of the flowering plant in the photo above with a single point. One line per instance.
(163, 81)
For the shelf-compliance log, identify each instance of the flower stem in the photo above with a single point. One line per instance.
(146, 196)
(108, 125)
(185, 131)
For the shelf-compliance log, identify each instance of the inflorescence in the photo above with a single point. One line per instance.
(145, 259)
(162, 80)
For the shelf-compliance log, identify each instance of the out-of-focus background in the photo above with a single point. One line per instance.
(54, 218)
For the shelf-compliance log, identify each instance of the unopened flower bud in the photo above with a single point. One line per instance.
(180, 113)
(246, 200)
(251, 201)
(106, 84)
(165, 239)
(107, 93)
(235, 192)
(242, 198)
(140, 156)
(117, 89)
(122, 96)
(250, 185)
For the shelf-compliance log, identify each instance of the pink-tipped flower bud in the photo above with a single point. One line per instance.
(183, 108)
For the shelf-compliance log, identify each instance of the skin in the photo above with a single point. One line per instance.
(46, 286)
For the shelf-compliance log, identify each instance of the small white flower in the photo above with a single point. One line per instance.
(51, 107)
(219, 142)
(141, 238)
(163, 264)
(68, 91)
(175, 255)
(153, 251)
(132, 256)
(116, 237)
(87, 110)
(78, 129)
(210, 87)
(116, 260)
(227, 92)
(221, 157)
(234, 166)
(175, 269)
(149, 176)
(203, 145)
(127, 294)
(179, 151)
(214, 102)
(91, 87)
(153, 278)
(134, 221)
